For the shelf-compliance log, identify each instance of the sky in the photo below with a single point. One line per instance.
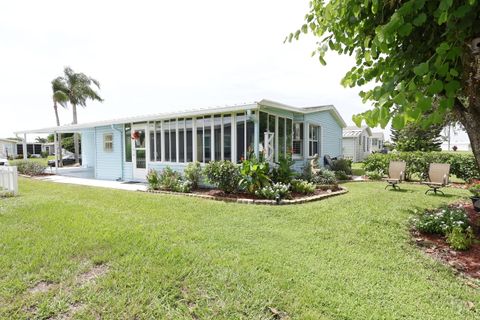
(158, 56)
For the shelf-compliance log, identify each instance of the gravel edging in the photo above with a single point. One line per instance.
(256, 201)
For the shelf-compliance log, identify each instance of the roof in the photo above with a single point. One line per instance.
(191, 113)
(9, 140)
(354, 131)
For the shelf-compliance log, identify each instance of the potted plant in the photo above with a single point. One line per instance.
(475, 190)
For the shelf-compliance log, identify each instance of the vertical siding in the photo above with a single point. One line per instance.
(88, 148)
(108, 165)
(349, 148)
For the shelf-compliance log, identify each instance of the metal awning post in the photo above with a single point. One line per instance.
(24, 144)
(55, 142)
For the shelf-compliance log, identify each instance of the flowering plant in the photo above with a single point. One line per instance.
(441, 221)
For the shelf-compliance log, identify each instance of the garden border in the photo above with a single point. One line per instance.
(317, 197)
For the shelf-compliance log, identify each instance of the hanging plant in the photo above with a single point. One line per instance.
(135, 135)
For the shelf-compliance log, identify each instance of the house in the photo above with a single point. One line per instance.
(377, 141)
(455, 136)
(357, 143)
(32, 148)
(8, 148)
(125, 149)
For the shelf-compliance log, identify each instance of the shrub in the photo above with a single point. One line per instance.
(224, 174)
(275, 191)
(461, 165)
(283, 171)
(183, 186)
(302, 186)
(341, 175)
(255, 174)
(325, 176)
(344, 165)
(193, 174)
(44, 154)
(153, 180)
(168, 179)
(475, 190)
(460, 239)
(375, 175)
(307, 173)
(30, 168)
(442, 221)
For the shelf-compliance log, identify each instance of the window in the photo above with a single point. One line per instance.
(240, 137)
(189, 139)
(128, 142)
(108, 142)
(207, 138)
(166, 133)
(181, 140)
(217, 123)
(250, 143)
(313, 140)
(151, 129)
(227, 137)
(158, 141)
(297, 139)
(289, 136)
(263, 124)
(173, 140)
(281, 137)
(199, 123)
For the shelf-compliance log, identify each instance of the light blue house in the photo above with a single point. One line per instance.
(125, 149)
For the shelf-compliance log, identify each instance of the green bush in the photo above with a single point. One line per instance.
(374, 175)
(460, 239)
(255, 174)
(168, 179)
(344, 165)
(283, 171)
(302, 186)
(341, 175)
(193, 174)
(325, 177)
(224, 175)
(461, 165)
(275, 191)
(30, 168)
(153, 180)
(442, 221)
(475, 190)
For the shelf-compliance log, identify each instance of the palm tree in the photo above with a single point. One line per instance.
(60, 97)
(79, 90)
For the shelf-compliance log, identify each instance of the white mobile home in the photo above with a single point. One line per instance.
(357, 143)
(377, 141)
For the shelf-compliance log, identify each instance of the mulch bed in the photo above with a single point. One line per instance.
(464, 262)
(297, 198)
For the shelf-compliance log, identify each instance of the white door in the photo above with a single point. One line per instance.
(139, 151)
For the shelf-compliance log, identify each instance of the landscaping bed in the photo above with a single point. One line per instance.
(466, 262)
(321, 192)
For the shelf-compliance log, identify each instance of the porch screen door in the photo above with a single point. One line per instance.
(139, 151)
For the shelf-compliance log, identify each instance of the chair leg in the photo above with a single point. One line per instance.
(428, 190)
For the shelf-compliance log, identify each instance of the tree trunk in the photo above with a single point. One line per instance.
(471, 121)
(75, 135)
(60, 162)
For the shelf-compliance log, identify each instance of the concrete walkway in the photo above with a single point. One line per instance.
(121, 185)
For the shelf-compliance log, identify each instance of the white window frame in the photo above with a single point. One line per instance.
(109, 147)
(302, 141)
(318, 129)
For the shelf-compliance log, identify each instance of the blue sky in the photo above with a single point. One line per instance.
(156, 56)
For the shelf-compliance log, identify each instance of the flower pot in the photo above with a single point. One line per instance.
(476, 203)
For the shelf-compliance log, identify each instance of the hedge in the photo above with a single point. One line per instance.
(461, 165)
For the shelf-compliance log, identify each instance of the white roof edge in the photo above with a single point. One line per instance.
(188, 113)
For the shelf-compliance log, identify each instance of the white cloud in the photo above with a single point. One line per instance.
(153, 56)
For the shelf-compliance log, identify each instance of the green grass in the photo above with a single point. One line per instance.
(357, 169)
(176, 257)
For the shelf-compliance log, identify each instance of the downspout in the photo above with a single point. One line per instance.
(121, 146)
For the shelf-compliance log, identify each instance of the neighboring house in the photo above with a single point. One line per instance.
(125, 149)
(377, 141)
(357, 143)
(8, 148)
(32, 148)
(454, 136)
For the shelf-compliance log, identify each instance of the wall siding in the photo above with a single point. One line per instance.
(331, 134)
(88, 148)
(108, 165)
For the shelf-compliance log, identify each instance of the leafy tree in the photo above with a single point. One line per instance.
(40, 140)
(419, 54)
(67, 142)
(79, 89)
(59, 97)
(413, 137)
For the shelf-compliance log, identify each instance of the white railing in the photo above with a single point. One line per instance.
(8, 179)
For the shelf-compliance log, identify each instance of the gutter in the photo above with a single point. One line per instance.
(121, 147)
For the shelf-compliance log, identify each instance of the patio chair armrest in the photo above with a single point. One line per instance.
(445, 179)
(402, 175)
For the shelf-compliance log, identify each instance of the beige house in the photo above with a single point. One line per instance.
(357, 143)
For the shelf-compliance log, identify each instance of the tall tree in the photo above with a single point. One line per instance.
(413, 137)
(79, 90)
(59, 97)
(419, 54)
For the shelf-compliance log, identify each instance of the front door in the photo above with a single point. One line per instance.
(139, 151)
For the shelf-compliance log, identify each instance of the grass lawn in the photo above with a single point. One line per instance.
(357, 169)
(176, 257)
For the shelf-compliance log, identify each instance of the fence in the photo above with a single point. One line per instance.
(8, 179)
